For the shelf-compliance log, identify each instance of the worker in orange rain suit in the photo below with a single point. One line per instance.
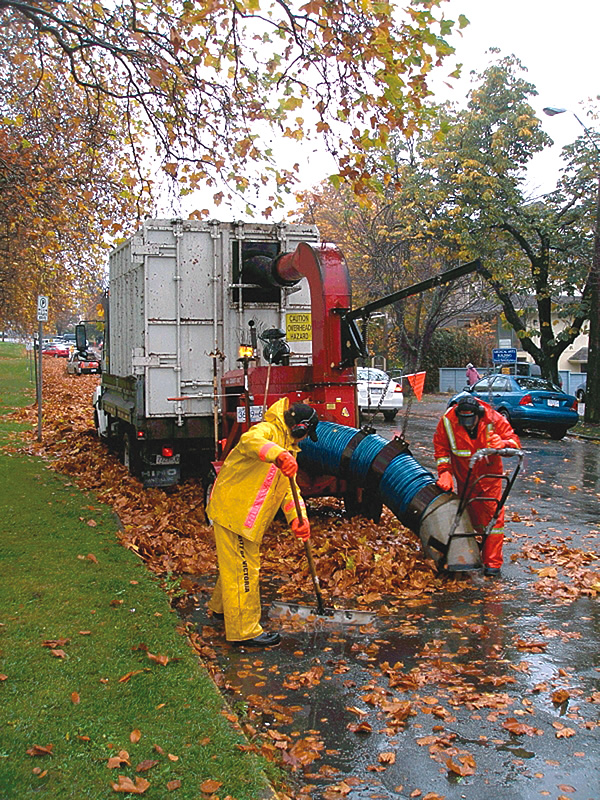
(252, 485)
(466, 427)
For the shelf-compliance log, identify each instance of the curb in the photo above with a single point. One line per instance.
(585, 436)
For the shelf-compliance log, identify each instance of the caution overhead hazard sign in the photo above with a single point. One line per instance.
(298, 327)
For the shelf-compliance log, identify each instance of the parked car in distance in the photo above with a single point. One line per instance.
(378, 392)
(85, 363)
(580, 391)
(56, 350)
(527, 402)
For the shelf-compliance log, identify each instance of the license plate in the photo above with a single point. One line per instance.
(375, 390)
(164, 460)
(553, 403)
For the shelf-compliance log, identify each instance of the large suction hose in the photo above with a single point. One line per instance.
(407, 489)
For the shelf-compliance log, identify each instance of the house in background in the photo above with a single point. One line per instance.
(573, 359)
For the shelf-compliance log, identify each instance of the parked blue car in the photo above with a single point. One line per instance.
(527, 402)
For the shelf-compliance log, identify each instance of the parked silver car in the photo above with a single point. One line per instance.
(580, 391)
(378, 392)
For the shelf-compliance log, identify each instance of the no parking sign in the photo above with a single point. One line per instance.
(42, 308)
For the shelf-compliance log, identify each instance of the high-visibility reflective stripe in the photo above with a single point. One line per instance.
(262, 453)
(291, 505)
(452, 440)
(260, 497)
(443, 460)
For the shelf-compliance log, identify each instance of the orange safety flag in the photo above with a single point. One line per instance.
(417, 382)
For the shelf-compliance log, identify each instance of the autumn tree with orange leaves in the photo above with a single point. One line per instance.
(203, 75)
(200, 85)
(65, 186)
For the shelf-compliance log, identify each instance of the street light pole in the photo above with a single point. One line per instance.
(592, 392)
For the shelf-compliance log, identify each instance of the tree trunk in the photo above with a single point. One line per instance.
(592, 392)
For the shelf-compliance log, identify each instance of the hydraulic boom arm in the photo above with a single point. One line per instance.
(352, 342)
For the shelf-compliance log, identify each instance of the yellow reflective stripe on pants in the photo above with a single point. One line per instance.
(237, 590)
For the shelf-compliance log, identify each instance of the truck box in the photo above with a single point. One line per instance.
(182, 295)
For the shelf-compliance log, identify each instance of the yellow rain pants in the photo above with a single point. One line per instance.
(237, 591)
(247, 494)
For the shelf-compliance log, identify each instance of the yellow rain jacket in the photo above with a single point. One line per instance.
(250, 489)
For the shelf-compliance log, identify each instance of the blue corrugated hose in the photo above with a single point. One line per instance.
(402, 479)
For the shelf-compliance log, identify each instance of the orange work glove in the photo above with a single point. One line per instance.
(301, 529)
(495, 441)
(287, 464)
(445, 481)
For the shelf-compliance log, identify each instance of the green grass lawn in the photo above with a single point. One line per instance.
(17, 378)
(89, 652)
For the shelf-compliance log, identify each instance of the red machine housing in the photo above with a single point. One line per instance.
(327, 385)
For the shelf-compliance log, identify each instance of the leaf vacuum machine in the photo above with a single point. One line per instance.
(209, 323)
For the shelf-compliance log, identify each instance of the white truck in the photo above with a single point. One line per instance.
(183, 296)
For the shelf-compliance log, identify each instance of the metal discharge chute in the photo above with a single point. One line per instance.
(407, 489)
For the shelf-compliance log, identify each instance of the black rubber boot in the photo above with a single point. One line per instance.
(263, 639)
(491, 572)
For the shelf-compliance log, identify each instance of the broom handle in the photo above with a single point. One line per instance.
(308, 551)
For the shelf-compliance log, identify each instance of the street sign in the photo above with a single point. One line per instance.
(42, 308)
(504, 355)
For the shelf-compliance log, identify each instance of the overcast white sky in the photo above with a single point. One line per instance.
(558, 44)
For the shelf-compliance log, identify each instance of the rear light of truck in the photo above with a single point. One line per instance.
(526, 400)
(141, 435)
(167, 452)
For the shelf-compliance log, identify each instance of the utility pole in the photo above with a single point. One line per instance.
(592, 391)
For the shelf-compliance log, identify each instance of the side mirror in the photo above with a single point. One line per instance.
(80, 337)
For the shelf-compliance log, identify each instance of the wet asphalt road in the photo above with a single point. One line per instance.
(457, 657)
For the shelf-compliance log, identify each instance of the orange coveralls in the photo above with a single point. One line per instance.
(453, 447)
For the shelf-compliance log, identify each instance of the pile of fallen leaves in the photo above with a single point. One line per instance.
(355, 558)
(581, 575)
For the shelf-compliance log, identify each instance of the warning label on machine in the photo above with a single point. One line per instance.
(298, 327)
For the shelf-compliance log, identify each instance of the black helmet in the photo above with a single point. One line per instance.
(302, 420)
(469, 411)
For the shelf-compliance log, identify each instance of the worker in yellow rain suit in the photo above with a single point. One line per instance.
(252, 485)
